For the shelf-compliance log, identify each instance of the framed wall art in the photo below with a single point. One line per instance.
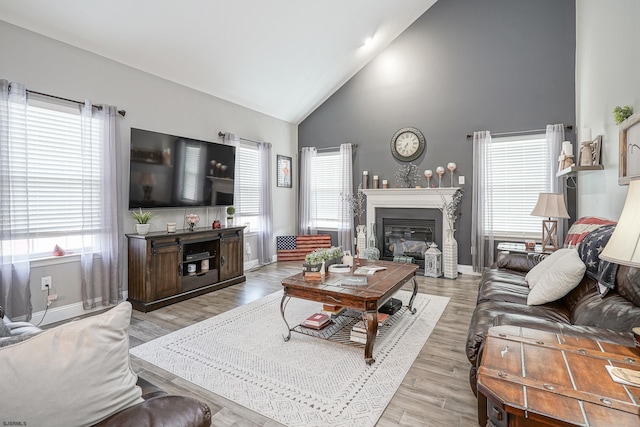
(284, 171)
(629, 166)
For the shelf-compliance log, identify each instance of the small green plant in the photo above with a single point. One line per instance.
(320, 254)
(231, 211)
(620, 114)
(142, 217)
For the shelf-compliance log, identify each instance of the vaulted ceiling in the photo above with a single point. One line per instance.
(282, 58)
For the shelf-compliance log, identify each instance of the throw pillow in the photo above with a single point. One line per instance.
(559, 280)
(534, 275)
(603, 272)
(581, 228)
(76, 374)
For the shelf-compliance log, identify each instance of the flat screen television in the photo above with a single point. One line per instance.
(169, 171)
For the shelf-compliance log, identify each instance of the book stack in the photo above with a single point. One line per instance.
(317, 321)
(359, 332)
(333, 310)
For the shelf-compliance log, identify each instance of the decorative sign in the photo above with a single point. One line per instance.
(284, 171)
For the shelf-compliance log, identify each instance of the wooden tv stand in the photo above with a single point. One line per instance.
(160, 263)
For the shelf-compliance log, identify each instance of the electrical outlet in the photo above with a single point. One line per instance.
(46, 283)
(461, 180)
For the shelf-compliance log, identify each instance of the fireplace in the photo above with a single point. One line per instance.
(407, 232)
(425, 203)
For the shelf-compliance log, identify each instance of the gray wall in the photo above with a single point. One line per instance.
(465, 65)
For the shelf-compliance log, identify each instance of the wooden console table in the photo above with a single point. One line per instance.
(535, 378)
(160, 262)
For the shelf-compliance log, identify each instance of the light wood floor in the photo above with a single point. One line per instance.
(435, 391)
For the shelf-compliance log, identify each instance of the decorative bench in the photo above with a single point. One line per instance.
(296, 248)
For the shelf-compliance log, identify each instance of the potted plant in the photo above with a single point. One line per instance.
(313, 260)
(142, 218)
(620, 114)
(230, 212)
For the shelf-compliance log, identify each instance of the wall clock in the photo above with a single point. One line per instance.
(407, 144)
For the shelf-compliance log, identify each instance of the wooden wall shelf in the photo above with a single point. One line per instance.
(575, 168)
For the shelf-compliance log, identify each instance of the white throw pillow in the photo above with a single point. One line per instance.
(76, 374)
(538, 270)
(559, 280)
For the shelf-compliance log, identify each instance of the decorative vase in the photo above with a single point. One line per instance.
(229, 221)
(361, 237)
(372, 251)
(142, 228)
(450, 268)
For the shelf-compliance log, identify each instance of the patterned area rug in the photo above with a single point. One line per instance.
(307, 381)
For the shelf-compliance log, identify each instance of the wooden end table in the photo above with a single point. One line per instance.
(379, 288)
(536, 378)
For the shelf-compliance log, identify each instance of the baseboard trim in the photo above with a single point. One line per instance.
(250, 264)
(467, 269)
(67, 312)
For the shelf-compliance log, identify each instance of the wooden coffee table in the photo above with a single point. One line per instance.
(529, 377)
(380, 287)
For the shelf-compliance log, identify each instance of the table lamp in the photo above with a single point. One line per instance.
(550, 205)
(624, 245)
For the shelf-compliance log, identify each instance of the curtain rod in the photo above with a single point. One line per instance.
(331, 148)
(121, 112)
(222, 135)
(522, 132)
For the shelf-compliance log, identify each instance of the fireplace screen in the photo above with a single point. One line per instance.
(407, 237)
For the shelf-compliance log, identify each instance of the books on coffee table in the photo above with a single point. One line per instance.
(367, 270)
(359, 333)
(317, 321)
(333, 310)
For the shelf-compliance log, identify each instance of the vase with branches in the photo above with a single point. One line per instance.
(357, 205)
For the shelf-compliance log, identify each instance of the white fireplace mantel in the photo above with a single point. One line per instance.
(430, 198)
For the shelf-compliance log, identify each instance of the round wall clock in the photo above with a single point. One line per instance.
(407, 144)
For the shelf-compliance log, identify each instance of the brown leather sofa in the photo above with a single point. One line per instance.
(161, 409)
(502, 300)
(158, 409)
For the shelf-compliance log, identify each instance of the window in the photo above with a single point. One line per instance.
(247, 186)
(326, 189)
(519, 172)
(59, 171)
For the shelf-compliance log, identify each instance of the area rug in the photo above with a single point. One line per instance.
(307, 381)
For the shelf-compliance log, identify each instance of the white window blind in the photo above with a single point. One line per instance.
(60, 173)
(519, 172)
(326, 190)
(247, 186)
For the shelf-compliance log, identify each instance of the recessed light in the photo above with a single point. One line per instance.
(368, 41)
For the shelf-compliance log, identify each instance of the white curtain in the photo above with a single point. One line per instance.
(100, 257)
(306, 204)
(15, 293)
(555, 137)
(481, 230)
(265, 236)
(345, 227)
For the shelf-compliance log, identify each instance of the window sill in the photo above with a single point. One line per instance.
(53, 260)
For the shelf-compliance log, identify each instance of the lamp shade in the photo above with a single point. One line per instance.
(550, 205)
(147, 179)
(624, 244)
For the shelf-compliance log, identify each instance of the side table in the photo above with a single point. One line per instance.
(535, 378)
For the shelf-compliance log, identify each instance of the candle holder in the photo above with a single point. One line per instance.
(440, 172)
(428, 174)
(451, 166)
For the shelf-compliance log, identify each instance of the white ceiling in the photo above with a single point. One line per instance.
(279, 57)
